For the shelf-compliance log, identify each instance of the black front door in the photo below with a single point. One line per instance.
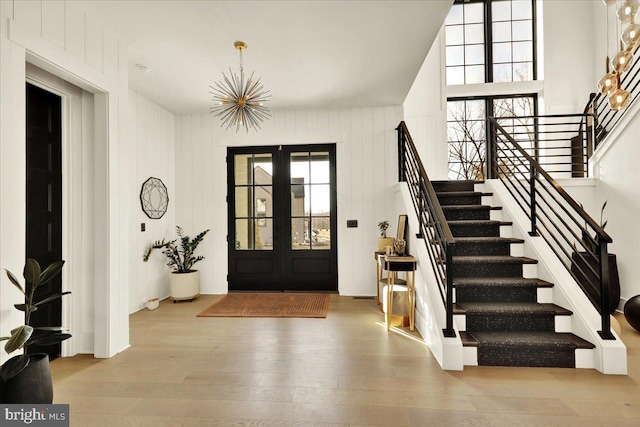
(44, 200)
(282, 218)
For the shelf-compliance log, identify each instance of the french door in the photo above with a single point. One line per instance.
(282, 218)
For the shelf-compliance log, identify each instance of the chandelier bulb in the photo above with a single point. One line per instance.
(622, 61)
(627, 10)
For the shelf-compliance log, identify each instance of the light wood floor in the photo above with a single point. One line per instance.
(345, 370)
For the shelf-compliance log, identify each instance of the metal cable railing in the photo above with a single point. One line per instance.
(433, 227)
(575, 238)
(561, 144)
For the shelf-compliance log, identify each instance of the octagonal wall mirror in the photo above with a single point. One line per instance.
(154, 198)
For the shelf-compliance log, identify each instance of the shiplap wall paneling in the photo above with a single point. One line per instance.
(366, 174)
(153, 130)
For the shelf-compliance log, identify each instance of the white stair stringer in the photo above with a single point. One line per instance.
(430, 317)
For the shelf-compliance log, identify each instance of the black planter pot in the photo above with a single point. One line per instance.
(580, 262)
(32, 385)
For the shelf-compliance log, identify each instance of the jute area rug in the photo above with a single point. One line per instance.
(269, 305)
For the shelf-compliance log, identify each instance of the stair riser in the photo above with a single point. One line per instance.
(487, 269)
(473, 230)
(442, 186)
(498, 356)
(460, 200)
(496, 293)
(480, 322)
(462, 214)
(484, 248)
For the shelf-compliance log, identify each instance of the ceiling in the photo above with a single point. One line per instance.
(308, 53)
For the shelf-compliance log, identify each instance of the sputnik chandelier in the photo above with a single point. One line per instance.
(610, 84)
(240, 102)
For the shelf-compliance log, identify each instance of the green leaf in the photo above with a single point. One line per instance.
(32, 272)
(13, 367)
(19, 337)
(49, 339)
(51, 271)
(13, 279)
(52, 297)
(23, 307)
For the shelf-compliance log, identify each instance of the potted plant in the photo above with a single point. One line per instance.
(26, 378)
(582, 262)
(184, 281)
(383, 240)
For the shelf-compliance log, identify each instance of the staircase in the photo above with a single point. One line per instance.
(496, 306)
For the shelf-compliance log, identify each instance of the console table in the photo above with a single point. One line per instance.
(393, 264)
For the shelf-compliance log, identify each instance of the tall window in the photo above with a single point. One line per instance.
(490, 41)
(467, 135)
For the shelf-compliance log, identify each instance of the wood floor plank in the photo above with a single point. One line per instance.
(345, 370)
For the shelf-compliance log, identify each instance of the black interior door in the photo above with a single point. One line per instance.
(44, 199)
(282, 218)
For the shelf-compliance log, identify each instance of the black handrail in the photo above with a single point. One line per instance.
(553, 215)
(433, 226)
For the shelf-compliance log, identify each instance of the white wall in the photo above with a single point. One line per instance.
(569, 37)
(425, 111)
(366, 175)
(153, 131)
(60, 39)
(616, 167)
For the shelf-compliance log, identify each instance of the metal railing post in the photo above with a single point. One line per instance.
(491, 172)
(449, 332)
(605, 333)
(532, 207)
(401, 155)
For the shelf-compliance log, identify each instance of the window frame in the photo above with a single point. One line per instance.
(488, 42)
(489, 112)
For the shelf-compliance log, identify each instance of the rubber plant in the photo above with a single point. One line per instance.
(181, 258)
(26, 335)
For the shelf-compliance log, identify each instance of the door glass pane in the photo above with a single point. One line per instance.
(320, 168)
(299, 200)
(300, 167)
(263, 169)
(244, 207)
(264, 234)
(299, 233)
(264, 201)
(243, 168)
(320, 199)
(244, 234)
(321, 233)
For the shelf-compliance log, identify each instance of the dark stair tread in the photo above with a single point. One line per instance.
(488, 239)
(528, 339)
(461, 193)
(500, 281)
(478, 222)
(494, 259)
(511, 308)
(465, 207)
(470, 207)
(468, 340)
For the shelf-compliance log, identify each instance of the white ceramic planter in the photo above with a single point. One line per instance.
(184, 286)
